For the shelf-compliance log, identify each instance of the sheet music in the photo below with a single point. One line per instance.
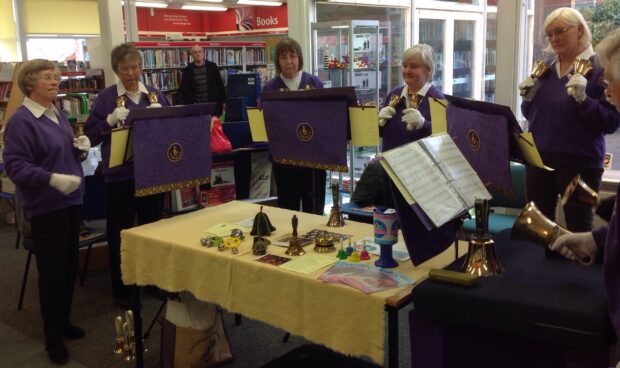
(428, 186)
(456, 169)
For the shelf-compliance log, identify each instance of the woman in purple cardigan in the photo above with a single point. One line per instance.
(41, 157)
(122, 206)
(410, 119)
(568, 116)
(604, 241)
(296, 184)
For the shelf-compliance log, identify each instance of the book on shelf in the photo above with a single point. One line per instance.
(434, 178)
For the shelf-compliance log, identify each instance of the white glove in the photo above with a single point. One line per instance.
(119, 114)
(413, 118)
(576, 246)
(576, 87)
(154, 104)
(82, 143)
(66, 184)
(386, 114)
(618, 365)
(528, 88)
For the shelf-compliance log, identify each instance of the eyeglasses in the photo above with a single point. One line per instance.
(129, 69)
(50, 76)
(557, 32)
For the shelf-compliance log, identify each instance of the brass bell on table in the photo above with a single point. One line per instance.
(262, 226)
(294, 245)
(324, 244)
(335, 216)
(481, 258)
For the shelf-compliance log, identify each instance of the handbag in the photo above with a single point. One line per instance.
(219, 142)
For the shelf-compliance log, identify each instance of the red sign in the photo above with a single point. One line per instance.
(261, 17)
(169, 20)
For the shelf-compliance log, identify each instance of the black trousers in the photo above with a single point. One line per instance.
(56, 241)
(296, 184)
(122, 210)
(543, 187)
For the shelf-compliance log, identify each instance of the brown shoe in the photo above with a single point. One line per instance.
(57, 352)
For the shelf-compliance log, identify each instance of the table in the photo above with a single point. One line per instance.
(168, 254)
(542, 312)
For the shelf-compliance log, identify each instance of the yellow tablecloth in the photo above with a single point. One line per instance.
(168, 254)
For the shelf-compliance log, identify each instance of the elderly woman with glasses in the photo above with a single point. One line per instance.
(568, 116)
(106, 114)
(604, 241)
(41, 156)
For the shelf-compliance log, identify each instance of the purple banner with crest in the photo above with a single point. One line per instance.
(171, 152)
(483, 139)
(308, 133)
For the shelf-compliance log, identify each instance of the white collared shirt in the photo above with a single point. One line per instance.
(422, 92)
(585, 54)
(133, 96)
(37, 110)
(292, 84)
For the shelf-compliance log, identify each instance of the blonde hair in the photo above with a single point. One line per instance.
(426, 55)
(572, 17)
(29, 74)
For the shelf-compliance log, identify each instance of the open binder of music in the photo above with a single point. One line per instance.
(434, 178)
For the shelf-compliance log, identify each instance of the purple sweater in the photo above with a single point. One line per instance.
(98, 130)
(33, 150)
(565, 131)
(395, 132)
(608, 241)
(277, 83)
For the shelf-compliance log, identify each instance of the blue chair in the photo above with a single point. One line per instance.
(511, 205)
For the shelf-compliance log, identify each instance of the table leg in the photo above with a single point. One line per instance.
(137, 327)
(392, 336)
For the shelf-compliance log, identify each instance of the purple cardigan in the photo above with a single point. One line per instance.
(33, 150)
(277, 83)
(98, 130)
(565, 131)
(395, 132)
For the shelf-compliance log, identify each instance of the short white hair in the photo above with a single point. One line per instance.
(572, 17)
(426, 55)
(608, 51)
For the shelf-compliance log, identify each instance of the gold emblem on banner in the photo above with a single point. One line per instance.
(304, 132)
(473, 139)
(175, 152)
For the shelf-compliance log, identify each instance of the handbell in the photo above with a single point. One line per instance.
(294, 245)
(580, 192)
(481, 258)
(394, 101)
(540, 68)
(580, 66)
(335, 216)
(414, 101)
(534, 226)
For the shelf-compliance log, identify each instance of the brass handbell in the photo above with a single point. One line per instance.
(335, 216)
(294, 245)
(580, 192)
(580, 66)
(120, 102)
(414, 101)
(540, 68)
(481, 258)
(394, 101)
(533, 225)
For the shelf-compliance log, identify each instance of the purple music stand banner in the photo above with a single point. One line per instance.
(309, 134)
(483, 139)
(171, 152)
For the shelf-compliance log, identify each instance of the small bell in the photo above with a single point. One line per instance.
(364, 256)
(349, 249)
(259, 247)
(355, 256)
(294, 246)
(262, 226)
(341, 253)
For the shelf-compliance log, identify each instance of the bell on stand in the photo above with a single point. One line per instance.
(294, 245)
(533, 225)
(481, 258)
(260, 228)
(335, 216)
(386, 235)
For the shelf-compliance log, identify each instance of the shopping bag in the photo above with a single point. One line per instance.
(219, 141)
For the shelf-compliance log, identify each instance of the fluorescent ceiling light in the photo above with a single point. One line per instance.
(203, 7)
(211, 1)
(340, 27)
(146, 4)
(259, 2)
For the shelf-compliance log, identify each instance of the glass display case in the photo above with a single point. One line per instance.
(354, 53)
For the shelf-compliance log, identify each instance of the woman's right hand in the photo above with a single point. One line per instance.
(386, 114)
(119, 114)
(66, 184)
(526, 88)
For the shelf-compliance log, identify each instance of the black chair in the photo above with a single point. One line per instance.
(92, 229)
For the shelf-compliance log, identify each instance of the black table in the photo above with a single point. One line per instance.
(542, 312)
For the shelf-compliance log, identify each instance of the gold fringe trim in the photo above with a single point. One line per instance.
(172, 186)
(313, 165)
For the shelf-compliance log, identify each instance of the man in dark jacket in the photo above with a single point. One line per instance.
(202, 82)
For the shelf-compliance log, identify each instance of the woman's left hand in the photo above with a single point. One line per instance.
(576, 87)
(413, 118)
(82, 143)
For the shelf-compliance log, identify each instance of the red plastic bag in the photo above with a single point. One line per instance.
(219, 141)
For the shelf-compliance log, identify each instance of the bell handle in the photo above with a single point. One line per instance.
(582, 257)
